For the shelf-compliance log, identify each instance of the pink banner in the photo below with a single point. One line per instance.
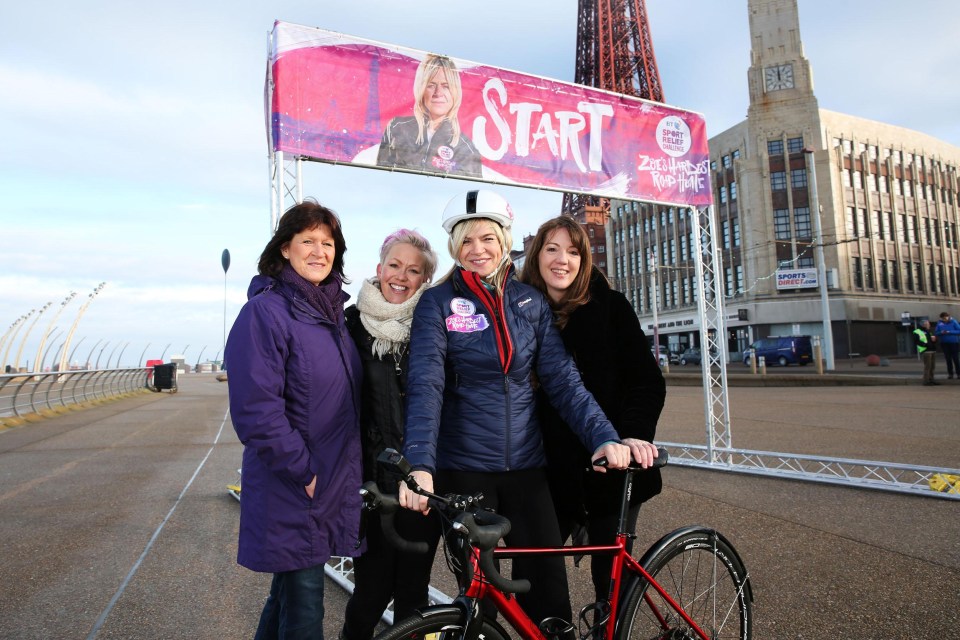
(336, 98)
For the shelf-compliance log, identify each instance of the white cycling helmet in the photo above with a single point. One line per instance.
(477, 204)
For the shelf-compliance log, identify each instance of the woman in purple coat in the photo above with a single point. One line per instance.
(294, 389)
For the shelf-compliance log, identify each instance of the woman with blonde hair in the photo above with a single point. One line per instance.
(380, 326)
(478, 338)
(431, 139)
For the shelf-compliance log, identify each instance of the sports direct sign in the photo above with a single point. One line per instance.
(336, 98)
(797, 279)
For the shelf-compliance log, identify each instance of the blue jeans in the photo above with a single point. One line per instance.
(294, 609)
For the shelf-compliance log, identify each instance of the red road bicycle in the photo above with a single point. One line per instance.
(689, 585)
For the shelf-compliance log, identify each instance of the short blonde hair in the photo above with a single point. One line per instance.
(464, 228)
(417, 241)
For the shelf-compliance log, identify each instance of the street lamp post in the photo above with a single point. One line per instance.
(821, 265)
(41, 355)
(26, 334)
(13, 336)
(76, 321)
(225, 263)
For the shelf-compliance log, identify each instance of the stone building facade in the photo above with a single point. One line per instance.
(889, 215)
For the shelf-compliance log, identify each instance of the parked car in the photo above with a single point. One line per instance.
(781, 350)
(663, 357)
(690, 356)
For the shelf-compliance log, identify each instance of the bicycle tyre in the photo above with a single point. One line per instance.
(702, 572)
(439, 623)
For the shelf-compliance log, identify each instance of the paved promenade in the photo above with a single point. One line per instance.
(115, 521)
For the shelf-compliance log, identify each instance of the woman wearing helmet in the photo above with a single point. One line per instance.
(478, 339)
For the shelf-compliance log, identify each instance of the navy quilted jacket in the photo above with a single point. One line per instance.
(471, 404)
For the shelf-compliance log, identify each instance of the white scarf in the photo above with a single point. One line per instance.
(388, 323)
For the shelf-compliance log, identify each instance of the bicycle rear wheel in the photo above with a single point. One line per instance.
(439, 623)
(703, 574)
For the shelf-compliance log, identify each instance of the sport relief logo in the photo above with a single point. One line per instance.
(464, 318)
(674, 139)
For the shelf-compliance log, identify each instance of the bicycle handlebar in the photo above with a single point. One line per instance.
(481, 529)
(660, 461)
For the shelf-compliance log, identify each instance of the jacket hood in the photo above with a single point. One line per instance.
(259, 284)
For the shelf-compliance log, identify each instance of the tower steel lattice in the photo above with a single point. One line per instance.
(615, 53)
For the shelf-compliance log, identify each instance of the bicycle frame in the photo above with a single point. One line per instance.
(475, 554)
(623, 562)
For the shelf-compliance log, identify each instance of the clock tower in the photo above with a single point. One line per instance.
(778, 69)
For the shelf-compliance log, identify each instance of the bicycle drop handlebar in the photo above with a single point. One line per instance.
(481, 528)
(660, 461)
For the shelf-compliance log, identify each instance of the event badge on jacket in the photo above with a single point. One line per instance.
(464, 319)
(443, 161)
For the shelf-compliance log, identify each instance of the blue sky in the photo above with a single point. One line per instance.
(133, 148)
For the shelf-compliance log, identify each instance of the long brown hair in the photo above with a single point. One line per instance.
(579, 292)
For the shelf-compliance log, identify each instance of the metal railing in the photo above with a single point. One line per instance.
(23, 394)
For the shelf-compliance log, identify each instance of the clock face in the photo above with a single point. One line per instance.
(778, 76)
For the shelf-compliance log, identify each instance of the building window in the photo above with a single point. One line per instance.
(857, 273)
(736, 232)
(878, 224)
(794, 145)
(781, 224)
(775, 147)
(862, 228)
(733, 191)
(736, 154)
(725, 232)
(801, 221)
(738, 282)
(798, 178)
(852, 229)
(894, 275)
(778, 180)
(726, 162)
(728, 283)
(884, 275)
(723, 194)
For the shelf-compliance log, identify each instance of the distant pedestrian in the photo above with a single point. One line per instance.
(948, 335)
(927, 348)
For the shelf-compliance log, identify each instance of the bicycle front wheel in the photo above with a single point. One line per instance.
(703, 574)
(439, 623)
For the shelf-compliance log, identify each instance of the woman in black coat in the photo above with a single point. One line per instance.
(601, 331)
(380, 327)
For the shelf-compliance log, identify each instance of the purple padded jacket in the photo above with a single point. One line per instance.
(294, 383)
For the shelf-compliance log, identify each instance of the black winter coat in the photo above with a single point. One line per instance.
(381, 402)
(613, 356)
(399, 148)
